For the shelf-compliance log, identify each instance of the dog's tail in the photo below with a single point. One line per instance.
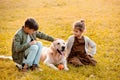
(5, 57)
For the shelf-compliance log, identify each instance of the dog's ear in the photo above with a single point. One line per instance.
(54, 42)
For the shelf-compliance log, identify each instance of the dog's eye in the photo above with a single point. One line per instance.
(58, 43)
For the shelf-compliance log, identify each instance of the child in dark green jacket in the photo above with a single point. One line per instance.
(25, 49)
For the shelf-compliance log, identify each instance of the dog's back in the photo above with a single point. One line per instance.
(43, 54)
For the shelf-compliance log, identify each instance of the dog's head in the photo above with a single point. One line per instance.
(59, 45)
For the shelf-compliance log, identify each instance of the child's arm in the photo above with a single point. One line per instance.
(18, 47)
(91, 46)
(44, 36)
(69, 45)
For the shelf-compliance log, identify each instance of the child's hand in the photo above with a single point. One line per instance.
(90, 55)
(33, 42)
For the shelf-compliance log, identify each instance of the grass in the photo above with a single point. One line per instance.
(55, 18)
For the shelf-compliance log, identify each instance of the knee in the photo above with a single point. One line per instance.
(39, 44)
(34, 47)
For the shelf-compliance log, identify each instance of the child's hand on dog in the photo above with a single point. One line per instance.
(33, 42)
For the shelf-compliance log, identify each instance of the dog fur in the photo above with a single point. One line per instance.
(55, 54)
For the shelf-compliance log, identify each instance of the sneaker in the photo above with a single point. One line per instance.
(24, 68)
(35, 67)
(39, 69)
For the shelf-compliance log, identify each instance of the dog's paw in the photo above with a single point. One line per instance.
(55, 68)
(66, 69)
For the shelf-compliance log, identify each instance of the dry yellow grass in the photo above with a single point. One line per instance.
(55, 18)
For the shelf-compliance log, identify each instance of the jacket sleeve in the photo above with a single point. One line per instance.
(18, 47)
(44, 36)
(92, 45)
(69, 44)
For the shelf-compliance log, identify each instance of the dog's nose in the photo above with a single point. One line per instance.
(63, 48)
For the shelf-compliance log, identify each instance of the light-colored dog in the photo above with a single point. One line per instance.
(55, 54)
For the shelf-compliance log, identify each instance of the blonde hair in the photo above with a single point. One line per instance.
(79, 25)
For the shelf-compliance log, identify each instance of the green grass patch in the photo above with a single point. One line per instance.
(55, 18)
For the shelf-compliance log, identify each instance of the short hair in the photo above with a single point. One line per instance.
(80, 25)
(31, 24)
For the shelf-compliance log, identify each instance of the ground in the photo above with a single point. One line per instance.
(55, 18)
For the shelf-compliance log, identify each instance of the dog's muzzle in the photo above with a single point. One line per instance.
(61, 53)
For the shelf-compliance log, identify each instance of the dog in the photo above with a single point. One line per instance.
(55, 54)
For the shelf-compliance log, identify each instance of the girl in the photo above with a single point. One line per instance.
(80, 49)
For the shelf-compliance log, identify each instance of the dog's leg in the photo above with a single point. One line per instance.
(65, 64)
(50, 65)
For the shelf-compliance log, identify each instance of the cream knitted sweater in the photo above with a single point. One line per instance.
(90, 46)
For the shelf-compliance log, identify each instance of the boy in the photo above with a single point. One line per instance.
(25, 49)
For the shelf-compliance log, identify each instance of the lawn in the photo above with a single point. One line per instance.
(55, 18)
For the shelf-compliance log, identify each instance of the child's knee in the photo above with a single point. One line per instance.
(34, 47)
(39, 44)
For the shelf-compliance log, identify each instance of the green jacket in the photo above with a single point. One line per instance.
(19, 44)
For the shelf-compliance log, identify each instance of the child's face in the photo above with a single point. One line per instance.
(77, 32)
(29, 31)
